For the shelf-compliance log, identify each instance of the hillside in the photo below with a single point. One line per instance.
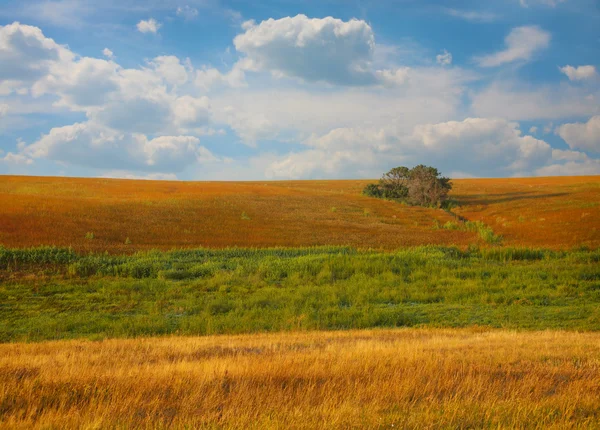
(535, 212)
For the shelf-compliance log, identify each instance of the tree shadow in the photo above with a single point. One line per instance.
(489, 199)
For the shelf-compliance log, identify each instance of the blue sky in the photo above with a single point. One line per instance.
(235, 90)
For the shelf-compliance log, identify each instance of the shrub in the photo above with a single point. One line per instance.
(372, 190)
(420, 186)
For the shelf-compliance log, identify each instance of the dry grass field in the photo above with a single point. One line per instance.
(533, 212)
(407, 378)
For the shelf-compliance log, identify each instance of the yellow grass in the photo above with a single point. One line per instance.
(125, 215)
(371, 379)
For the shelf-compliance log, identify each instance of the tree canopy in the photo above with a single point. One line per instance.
(422, 186)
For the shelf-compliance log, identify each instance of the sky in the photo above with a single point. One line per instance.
(290, 89)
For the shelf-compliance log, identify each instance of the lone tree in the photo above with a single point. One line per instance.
(421, 185)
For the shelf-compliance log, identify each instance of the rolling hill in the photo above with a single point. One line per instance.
(532, 212)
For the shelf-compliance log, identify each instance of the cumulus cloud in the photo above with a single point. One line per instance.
(521, 44)
(571, 168)
(79, 84)
(94, 145)
(26, 54)
(584, 136)
(12, 159)
(327, 50)
(474, 146)
(579, 73)
(136, 117)
(495, 143)
(148, 26)
(444, 58)
(569, 163)
(108, 53)
(208, 78)
(170, 69)
(149, 120)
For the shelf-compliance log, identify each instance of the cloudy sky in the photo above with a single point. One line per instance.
(280, 89)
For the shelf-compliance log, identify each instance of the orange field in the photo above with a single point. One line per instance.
(559, 212)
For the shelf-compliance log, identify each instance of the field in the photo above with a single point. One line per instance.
(408, 378)
(557, 213)
(301, 304)
(55, 293)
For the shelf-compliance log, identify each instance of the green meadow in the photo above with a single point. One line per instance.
(55, 293)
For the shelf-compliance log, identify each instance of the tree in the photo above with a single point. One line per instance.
(421, 185)
(394, 184)
(426, 187)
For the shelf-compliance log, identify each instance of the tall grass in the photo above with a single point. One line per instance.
(50, 293)
(484, 231)
(408, 379)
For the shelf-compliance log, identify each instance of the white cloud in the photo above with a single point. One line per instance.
(108, 53)
(533, 130)
(170, 69)
(521, 44)
(474, 146)
(26, 54)
(444, 59)
(571, 168)
(374, 115)
(579, 73)
(16, 159)
(143, 100)
(476, 143)
(426, 94)
(584, 136)
(209, 78)
(94, 145)
(3, 110)
(562, 155)
(80, 84)
(187, 12)
(471, 15)
(148, 26)
(189, 111)
(518, 102)
(327, 50)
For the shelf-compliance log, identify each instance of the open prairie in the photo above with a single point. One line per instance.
(533, 212)
(405, 378)
(447, 302)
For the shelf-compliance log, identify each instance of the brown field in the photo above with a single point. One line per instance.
(413, 378)
(538, 212)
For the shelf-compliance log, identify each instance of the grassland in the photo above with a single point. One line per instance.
(52, 293)
(484, 317)
(411, 379)
(123, 216)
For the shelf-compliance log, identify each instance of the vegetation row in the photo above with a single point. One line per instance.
(52, 293)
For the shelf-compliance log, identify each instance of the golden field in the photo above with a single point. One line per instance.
(406, 378)
(534, 212)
